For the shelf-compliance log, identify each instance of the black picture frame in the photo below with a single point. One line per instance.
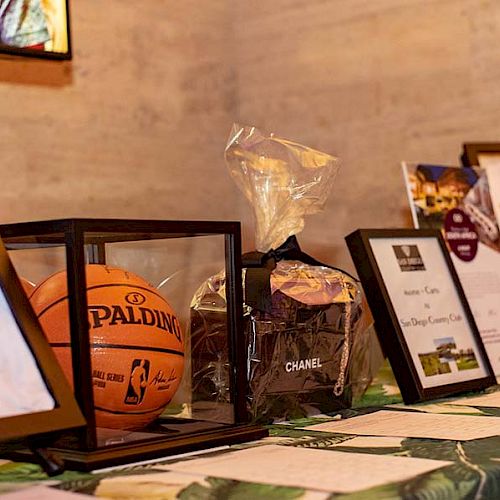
(389, 325)
(472, 151)
(51, 19)
(40, 425)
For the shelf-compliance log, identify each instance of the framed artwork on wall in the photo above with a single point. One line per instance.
(422, 318)
(35, 28)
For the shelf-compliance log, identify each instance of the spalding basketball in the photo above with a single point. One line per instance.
(137, 348)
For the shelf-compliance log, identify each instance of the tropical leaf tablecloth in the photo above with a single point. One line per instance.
(474, 473)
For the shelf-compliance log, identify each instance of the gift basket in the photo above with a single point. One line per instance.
(308, 333)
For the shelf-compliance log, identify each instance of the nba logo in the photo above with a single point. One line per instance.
(138, 381)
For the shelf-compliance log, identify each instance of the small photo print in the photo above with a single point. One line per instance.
(466, 359)
(447, 358)
(445, 347)
(408, 257)
(436, 189)
(432, 365)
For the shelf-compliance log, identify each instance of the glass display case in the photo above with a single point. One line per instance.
(113, 298)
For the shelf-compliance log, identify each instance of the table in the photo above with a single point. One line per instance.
(475, 472)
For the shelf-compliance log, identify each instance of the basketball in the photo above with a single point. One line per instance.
(137, 349)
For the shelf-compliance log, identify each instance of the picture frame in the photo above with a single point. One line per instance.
(35, 28)
(422, 318)
(478, 154)
(31, 365)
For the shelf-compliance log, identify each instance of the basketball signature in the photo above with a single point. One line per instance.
(162, 381)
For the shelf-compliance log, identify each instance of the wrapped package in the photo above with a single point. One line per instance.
(308, 332)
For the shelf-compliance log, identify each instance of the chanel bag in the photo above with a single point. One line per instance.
(307, 331)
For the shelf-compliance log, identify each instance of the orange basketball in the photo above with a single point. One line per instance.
(137, 348)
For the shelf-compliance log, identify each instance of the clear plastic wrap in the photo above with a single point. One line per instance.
(284, 181)
(307, 328)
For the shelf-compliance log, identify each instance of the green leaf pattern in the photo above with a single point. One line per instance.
(474, 473)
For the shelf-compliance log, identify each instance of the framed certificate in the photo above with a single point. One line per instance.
(422, 318)
(35, 399)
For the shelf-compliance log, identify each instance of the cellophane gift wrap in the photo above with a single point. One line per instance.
(309, 335)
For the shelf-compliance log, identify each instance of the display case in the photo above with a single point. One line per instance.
(113, 298)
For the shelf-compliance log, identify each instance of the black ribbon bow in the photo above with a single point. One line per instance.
(260, 266)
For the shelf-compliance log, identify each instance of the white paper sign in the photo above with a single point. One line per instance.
(43, 493)
(416, 425)
(436, 190)
(324, 470)
(22, 389)
(488, 400)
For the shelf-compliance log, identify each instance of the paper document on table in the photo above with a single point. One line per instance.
(492, 400)
(314, 469)
(371, 442)
(413, 424)
(42, 493)
(441, 407)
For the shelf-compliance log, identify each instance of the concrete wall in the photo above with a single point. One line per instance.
(374, 82)
(136, 124)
